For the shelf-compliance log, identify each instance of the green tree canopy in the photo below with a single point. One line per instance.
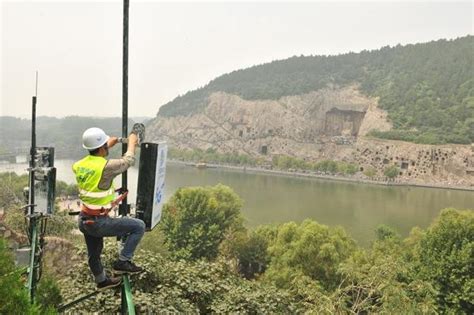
(310, 250)
(444, 256)
(196, 219)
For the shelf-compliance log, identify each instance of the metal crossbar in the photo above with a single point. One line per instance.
(64, 307)
(127, 299)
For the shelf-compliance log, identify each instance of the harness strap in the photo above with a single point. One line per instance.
(103, 211)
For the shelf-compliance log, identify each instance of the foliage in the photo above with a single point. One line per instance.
(60, 224)
(196, 219)
(211, 156)
(427, 89)
(281, 162)
(48, 294)
(154, 241)
(444, 256)
(391, 171)
(249, 249)
(64, 190)
(169, 286)
(384, 232)
(377, 281)
(309, 249)
(11, 189)
(370, 171)
(13, 296)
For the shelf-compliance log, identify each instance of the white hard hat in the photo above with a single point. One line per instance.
(94, 138)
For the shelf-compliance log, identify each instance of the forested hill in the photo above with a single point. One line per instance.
(426, 88)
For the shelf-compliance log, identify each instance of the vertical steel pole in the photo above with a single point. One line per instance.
(123, 210)
(31, 200)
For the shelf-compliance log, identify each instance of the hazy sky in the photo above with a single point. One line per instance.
(177, 47)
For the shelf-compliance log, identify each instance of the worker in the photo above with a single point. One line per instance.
(94, 176)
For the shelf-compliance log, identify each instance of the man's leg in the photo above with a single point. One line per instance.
(132, 228)
(94, 250)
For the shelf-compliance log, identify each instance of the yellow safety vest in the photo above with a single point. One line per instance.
(88, 173)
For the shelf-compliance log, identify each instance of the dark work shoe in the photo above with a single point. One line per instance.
(120, 267)
(109, 283)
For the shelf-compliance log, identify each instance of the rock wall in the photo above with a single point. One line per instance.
(328, 124)
(292, 125)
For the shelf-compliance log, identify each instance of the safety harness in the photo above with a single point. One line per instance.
(88, 213)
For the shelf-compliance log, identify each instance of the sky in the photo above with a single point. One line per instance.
(175, 47)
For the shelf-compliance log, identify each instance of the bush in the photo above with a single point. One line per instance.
(370, 172)
(250, 251)
(391, 171)
(309, 249)
(59, 224)
(169, 286)
(196, 219)
(13, 295)
(445, 257)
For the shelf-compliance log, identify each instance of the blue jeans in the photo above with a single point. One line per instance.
(132, 229)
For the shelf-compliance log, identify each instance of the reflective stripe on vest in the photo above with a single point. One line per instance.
(88, 173)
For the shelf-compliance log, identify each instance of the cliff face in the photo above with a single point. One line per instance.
(326, 124)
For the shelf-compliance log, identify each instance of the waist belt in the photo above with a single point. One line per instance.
(103, 211)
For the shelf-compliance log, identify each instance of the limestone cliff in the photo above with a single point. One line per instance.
(326, 124)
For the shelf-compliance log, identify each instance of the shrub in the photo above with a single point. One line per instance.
(391, 171)
(196, 219)
(309, 249)
(445, 257)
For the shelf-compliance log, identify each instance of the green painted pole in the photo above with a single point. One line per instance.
(127, 299)
(32, 270)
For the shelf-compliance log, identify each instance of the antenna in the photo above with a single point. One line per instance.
(36, 88)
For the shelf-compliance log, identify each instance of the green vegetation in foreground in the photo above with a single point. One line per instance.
(306, 267)
(280, 162)
(13, 295)
(204, 260)
(427, 89)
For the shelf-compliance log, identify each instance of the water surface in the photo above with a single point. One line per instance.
(359, 208)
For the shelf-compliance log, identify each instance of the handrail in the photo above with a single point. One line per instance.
(127, 299)
(82, 298)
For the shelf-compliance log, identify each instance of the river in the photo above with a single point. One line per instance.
(358, 208)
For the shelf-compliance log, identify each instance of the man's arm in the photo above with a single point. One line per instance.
(115, 167)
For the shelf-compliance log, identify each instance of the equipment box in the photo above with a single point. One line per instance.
(151, 182)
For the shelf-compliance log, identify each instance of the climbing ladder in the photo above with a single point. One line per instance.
(126, 295)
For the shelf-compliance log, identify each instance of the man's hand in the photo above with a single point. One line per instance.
(112, 141)
(132, 140)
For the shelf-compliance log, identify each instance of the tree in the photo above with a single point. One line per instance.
(196, 219)
(13, 295)
(444, 256)
(249, 249)
(391, 171)
(308, 250)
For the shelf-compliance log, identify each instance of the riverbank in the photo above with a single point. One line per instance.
(311, 174)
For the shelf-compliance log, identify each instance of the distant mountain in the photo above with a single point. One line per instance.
(427, 89)
(65, 134)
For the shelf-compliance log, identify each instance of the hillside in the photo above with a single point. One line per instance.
(427, 89)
